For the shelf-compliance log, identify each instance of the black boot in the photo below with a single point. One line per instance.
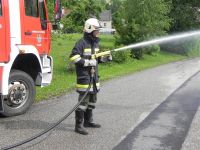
(79, 115)
(88, 120)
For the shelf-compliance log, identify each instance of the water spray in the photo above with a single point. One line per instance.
(151, 42)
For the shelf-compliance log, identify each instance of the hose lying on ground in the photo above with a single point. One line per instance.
(50, 127)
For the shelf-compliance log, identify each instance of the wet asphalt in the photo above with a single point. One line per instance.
(167, 126)
(141, 111)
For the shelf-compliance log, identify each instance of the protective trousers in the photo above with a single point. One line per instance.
(84, 115)
(89, 101)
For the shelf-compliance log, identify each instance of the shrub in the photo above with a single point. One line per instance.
(121, 56)
(137, 53)
(151, 49)
(139, 20)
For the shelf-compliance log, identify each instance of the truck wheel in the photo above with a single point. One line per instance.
(21, 93)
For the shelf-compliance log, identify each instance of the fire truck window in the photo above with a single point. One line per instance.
(42, 12)
(0, 8)
(31, 8)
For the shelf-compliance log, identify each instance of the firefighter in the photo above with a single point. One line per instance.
(81, 56)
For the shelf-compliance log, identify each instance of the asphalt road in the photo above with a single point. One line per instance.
(153, 109)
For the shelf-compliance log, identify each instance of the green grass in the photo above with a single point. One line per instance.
(64, 81)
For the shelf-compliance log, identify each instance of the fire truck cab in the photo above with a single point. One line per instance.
(25, 38)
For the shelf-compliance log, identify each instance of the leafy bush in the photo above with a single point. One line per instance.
(139, 20)
(136, 53)
(121, 56)
(151, 49)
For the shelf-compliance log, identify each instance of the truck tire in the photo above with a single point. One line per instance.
(21, 94)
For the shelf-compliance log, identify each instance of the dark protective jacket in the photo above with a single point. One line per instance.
(82, 50)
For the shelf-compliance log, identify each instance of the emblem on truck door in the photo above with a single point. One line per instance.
(39, 38)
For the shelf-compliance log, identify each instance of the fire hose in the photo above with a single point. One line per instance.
(102, 54)
(57, 123)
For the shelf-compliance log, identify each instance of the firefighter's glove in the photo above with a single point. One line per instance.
(91, 62)
(106, 58)
(110, 58)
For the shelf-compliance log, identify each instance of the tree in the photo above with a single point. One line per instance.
(142, 19)
(116, 7)
(50, 6)
(185, 15)
(80, 11)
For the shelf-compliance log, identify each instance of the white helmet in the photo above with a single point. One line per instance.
(92, 24)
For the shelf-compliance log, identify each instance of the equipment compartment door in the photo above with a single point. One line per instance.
(4, 52)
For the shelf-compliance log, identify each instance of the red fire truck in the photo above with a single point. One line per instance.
(25, 38)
